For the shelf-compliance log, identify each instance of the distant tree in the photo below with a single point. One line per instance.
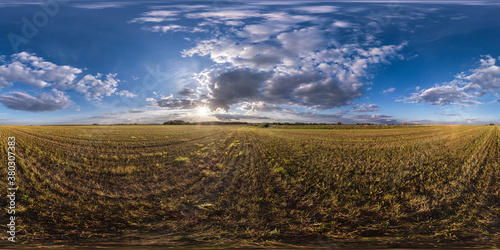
(95, 124)
(263, 125)
(492, 124)
(175, 122)
(339, 123)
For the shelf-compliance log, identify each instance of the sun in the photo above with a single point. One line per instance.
(202, 111)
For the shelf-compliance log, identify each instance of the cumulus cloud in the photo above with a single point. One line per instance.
(94, 87)
(303, 40)
(342, 24)
(366, 108)
(262, 32)
(152, 19)
(47, 101)
(464, 88)
(186, 92)
(29, 69)
(172, 103)
(261, 106)
(318, 9)
(442, 95)
(157, 16)
(280, 58)
(304, 70)
(233, 87)
(470, 120)
(242, 55)
(161, 13)
(126, 93)
(234, 23)
(175, 28)
(389, 90)
(487, 76)
(35, 71)
(224, 14)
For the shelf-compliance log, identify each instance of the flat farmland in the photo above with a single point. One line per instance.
(247, 186)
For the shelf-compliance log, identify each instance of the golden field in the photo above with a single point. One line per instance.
(246, 186)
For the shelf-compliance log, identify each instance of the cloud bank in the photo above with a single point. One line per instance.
(465, 89)
(28, 71)
(281, 58)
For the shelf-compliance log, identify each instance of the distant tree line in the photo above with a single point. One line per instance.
(181, 122)
(312, 124)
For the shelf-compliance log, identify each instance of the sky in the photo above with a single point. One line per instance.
(366, 61)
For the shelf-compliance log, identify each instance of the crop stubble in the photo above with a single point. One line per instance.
(228, 185)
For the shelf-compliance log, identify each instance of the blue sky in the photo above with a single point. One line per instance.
(107, 62)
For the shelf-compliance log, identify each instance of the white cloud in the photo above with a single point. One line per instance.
(256, 56)
(470, 120)
(464, 2)
(389, 90)
(294, 55)
(184, 6)
(153, 19)
(293, 64)
(29, 69)
(234, 23)
(224, 14)
(178, 104)
(157, 16)
(175, 28)
(366, 108)
(295, 78)
(342, 24)
(35, 71)
(487, 76)
(262, 32)
(443, 95)
(161, 13)
(318, 9)
(126, 93)
(47, 101)
(302, 41)
(94, 87)
(464, 88)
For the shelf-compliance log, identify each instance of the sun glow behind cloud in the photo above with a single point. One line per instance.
(202, 112)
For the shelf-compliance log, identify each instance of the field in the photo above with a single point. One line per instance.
(248, 186)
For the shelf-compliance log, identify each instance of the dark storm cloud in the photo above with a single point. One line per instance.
(235, 86)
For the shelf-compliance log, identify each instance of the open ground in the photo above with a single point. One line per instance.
(282, 186)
